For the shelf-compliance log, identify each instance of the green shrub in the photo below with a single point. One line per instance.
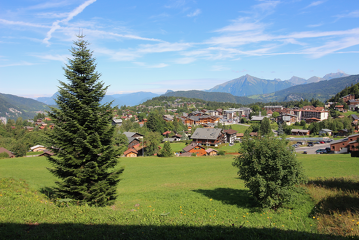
(270, 170)
(194, 155)
(4, 155)
(221, 152)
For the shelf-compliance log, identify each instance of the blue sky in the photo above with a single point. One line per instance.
(153, 46)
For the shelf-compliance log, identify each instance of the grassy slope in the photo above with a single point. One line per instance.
(195, 192)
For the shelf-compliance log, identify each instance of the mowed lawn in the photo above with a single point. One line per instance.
(178, 191)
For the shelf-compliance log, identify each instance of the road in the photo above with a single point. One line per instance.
(311, 150)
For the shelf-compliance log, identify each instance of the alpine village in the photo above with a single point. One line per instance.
(181, 165)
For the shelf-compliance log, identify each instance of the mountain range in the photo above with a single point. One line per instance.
(250, 89)
(248, 85)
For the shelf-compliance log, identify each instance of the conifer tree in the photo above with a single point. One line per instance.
(83, 136)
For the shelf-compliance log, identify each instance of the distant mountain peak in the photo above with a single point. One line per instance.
(335, 75)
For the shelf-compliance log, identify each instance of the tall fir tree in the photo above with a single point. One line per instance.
(83, 138)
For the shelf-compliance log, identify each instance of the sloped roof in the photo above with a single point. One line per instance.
(191, 146)
(6, 151)
(230, 131)
(210, 150)
(206, 133)
(129, 151)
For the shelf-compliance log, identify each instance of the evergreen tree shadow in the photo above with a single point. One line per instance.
(339, 203)
(238, 197)
(48, 192)
(343, 184)
(105, 231)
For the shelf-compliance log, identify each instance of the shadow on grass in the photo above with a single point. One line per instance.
(336, 183)
(339, 203)
(48, 192)
(102, 231)
(239, 197)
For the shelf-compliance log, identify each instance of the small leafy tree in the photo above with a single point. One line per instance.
(166, 151)
(270, 170)
(4, 155)
(265, 127)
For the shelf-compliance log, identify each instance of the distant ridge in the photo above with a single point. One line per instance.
(248, 85)
(12, 106)
(211, 96)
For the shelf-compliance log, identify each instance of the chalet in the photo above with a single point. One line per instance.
(46, 153)
(345, 145)
(253, 134)
(130, 153)
(239, 136)
(38, 148)
(116, 122)
(195, 148)
(353, 104)
(300, 132)
(287, 118)
(168, 140)
(133, 141)
(177, 137)
(230, 135)
(348, 97)
(343, 132)
(339, 108)
(211, 152)
(325, 131)
(133, 134)
(208, 136)
(4, 150)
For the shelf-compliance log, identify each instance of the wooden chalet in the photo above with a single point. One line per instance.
(130, 153)
(230, 135)
(211, 152)
(208, 136)
(195, 148)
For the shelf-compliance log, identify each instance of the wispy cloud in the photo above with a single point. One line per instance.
(71, 15)
(185, 60)
(17, 64)
(314, 4)
(353, 14)
(315, 25)
(20, 23)
(62, 58)
(142, 64)
(47, 5)
(195, 13)
(163, 47)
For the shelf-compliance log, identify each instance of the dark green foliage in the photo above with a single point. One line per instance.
(83, 137)
(4, 155)
(265, 127)
(155, 123)
(166, 151)
(221, 152)
(19, 149)
(270, 170)
(151, 142)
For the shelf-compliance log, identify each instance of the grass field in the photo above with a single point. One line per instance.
(161, 198)
(239, 128)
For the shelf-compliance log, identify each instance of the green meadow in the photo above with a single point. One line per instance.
(161, 198)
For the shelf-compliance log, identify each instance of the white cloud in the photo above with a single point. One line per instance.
(163, 47)
(121, 55)
(20, 23)
(142, 64)
(185, 60)
(314, 4)
(51, 4)
(17, 64)
(61, 58)
(71, 15)
(195, 13)
(353, 14)
(332, 46)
